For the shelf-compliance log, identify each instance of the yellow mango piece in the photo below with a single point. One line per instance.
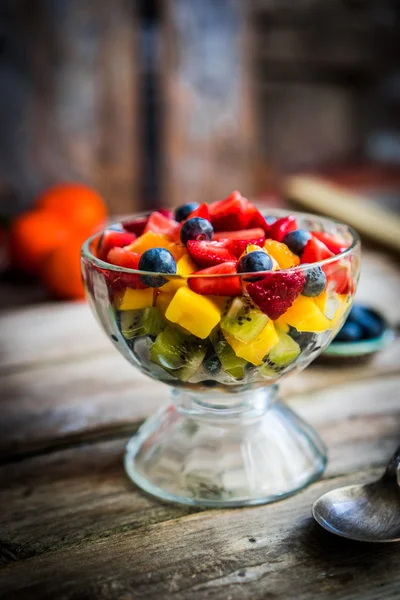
(198, 314)
(132, 299)
(281, 253)
(162, 301)
(255, 350)
(184, 267)
(342, 302)
(304, 315)
(156, 240)
(320, 301)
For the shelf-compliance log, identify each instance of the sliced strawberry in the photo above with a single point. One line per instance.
(217, 286)
(276, 293)
(257, 220)
(201, 211)
(333, 243)
(129, 260)
(339, 272)
(281, 227)
(166, 212)
(230, 214)
(160, 224)
(136, 225)
(315, 251)
(207, 254)
(113, 239)
(242, 235)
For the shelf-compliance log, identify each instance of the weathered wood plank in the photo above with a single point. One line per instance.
(87, 482)
(273, 551)
(69, 497)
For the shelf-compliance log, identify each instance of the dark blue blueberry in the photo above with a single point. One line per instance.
(350, 332)
(315, 282)
(270, 220)
(297, 240)
(156, 260)
(212, 364)
(254, 261)
(196, 229)
(371, 324)
(182, 212)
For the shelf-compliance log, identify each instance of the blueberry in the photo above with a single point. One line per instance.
(212, 364)
(371, 324)
(254, 261)
(315, 282)
(196, 229)
(350, 332)
(297, 240)
(156, 260)
(183, 211)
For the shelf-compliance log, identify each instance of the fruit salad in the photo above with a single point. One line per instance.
(219, 294)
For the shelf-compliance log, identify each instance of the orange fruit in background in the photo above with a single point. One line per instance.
(77, 204)
(33, 236)
(61, 271)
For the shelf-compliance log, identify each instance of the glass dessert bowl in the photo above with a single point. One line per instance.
(223, 339)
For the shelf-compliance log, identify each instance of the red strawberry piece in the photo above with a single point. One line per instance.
(315, 251)
(257, 220)
(281, 227)
(113, 239)
(230, 214)
(128, 260)
(207, 254)
(160, 224)
(276, 293)
(201, 211)
(166, 212)
(217, 285)
(242, 235)
(341, 275)
(333, 243)
(136, 225)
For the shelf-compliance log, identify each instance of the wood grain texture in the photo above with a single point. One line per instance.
(209, 117)
(69, 105)
(274, 551)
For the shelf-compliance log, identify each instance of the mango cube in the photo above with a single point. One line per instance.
(133, 299)
(255, 350)
(304, 315)
(156, 240)
(184, 267)
(281, 253)
(198, 314)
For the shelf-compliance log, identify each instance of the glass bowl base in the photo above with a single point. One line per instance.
(219, 456)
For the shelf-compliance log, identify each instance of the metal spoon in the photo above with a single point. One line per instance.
(367, 513)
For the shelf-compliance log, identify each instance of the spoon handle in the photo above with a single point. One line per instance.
(393, 466)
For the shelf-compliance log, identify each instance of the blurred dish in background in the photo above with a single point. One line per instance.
(364, 332)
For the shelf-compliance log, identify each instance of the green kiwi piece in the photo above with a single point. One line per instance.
(281, 355)
(243, 320)
(180, 354)
(232, 364)
(144, 321)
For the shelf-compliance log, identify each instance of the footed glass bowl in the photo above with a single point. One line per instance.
(225, 439)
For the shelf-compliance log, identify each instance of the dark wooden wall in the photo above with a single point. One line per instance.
(68, 107)
(226, 94)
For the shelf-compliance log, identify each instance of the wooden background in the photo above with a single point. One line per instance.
(172, 100)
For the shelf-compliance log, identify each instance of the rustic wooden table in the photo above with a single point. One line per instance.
(73, 526)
